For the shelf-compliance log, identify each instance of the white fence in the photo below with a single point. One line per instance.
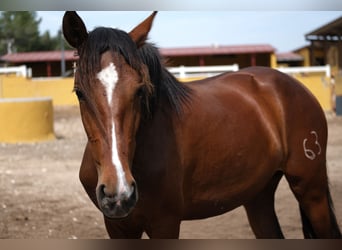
(202, 71)
(311, 69)
(19, 71)
(184, 71)
(207, 71)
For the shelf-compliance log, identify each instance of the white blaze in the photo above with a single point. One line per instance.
(122, 184)
(109, 77)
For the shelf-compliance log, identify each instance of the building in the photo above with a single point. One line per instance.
(325, 46)
(43, 63)
(243, 55)
(290, 59)
(48, 63)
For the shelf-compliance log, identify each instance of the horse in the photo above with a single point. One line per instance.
(160, 151)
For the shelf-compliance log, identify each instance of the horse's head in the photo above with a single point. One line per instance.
(110, 83)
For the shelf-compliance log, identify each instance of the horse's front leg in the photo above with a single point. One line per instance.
(123, 229)
(165, 227)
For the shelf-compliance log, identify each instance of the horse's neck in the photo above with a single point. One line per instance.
(155, 140)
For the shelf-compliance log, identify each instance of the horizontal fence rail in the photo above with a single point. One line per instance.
(311, 69)
(19, 71)
(206, 71)
(185, 71)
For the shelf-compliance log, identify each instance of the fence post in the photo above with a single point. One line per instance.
(1, 94)
(327, 71)
(23, 70)
(182, 71)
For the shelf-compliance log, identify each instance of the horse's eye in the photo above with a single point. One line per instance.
(79, 95)
(140, 92)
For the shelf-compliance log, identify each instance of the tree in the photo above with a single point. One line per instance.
(47, 42)
(19, 31)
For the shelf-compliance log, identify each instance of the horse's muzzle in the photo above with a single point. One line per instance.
(118, 205)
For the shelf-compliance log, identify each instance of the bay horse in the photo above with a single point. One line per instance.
(160, 151)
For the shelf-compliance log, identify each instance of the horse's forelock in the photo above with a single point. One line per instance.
(146, 61)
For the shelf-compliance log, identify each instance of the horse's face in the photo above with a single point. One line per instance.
(111, 132)
(110, 110)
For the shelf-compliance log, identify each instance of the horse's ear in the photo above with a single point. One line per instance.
(139, 33)
(74, 29)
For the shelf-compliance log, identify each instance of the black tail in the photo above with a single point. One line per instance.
(308, 229)
(336, 230)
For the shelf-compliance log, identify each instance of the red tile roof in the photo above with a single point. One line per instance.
(50, 56)
(218, 50)
(289, 56)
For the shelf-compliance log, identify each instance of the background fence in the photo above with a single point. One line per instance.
(17, 84)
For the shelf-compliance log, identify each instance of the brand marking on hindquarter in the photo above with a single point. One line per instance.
(311, 153)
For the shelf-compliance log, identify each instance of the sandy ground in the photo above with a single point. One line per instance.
(41, 196)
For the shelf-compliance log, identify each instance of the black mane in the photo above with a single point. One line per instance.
(165, 85)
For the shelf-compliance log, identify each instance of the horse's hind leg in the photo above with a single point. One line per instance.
(311, 189)
(261, 213)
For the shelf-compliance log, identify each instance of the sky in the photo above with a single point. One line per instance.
(284, 30)
(296, 5)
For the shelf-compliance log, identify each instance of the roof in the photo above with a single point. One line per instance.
(288, 56)
(330, 30)
(301, 48)
(50, 56)
(39, 56)
(217, 50)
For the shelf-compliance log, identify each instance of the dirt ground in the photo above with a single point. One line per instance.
(41, 196)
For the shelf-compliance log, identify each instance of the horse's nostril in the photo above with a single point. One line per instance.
(115, 204)
(134, 194)
(108, 192)
(104, 191)
(100, 189)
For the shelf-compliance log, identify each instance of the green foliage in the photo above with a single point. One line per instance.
(19, 32)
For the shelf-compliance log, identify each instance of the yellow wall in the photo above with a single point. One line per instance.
(320, 86)
(26, 120)
(59, 89)
(273, 59)
(338, 85)
(305, 53)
